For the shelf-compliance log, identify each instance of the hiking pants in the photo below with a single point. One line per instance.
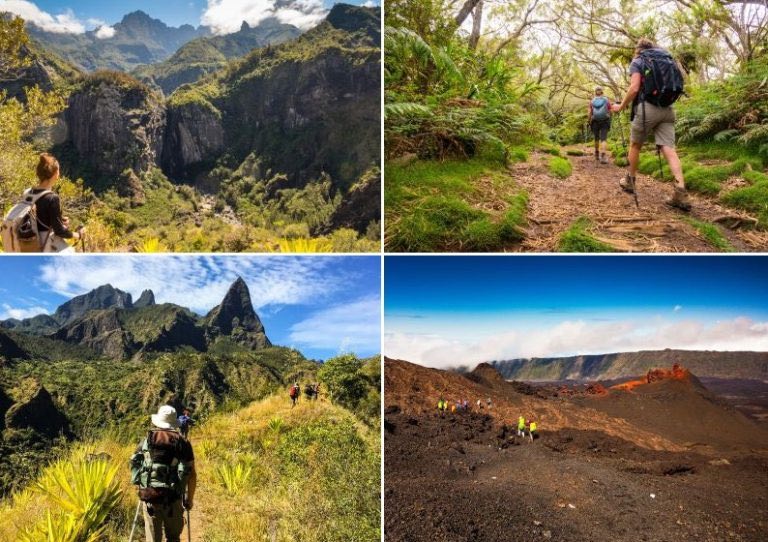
(168, 518)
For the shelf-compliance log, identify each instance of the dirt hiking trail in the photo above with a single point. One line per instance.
(592, 191)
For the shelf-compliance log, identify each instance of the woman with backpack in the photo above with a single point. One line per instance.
(599, 120)
(52, 226)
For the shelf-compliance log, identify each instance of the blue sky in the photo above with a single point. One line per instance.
(320, 305)
(227, 15)
(462, 310)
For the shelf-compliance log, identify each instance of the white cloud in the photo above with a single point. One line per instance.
(370, 4)
(226, 16)
(20, 313)
(578, 337)
(105, 32)
(678, 308)
(63, 23)
(343, 327)
(199, 283)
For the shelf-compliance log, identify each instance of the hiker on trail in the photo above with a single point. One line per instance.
(521, 427)
(656, 81)
(294, 394)
(489, 403)
(599, 120)
(442, 404)
(532, 430)
(309, 391)
(36, 224)
(316, 390)
(465, 404)
(185, 423)
(163, 469)
(479, 404)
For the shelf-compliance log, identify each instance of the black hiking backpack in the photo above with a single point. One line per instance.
(662, 78)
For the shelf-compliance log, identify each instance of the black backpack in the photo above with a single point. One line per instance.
(662, 78)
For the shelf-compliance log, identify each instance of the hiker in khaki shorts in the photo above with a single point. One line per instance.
(648, 118)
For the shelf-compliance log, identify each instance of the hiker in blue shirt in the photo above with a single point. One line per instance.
(185, 422)
(599, 119)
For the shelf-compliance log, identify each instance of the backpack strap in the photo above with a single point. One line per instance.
(31, 198)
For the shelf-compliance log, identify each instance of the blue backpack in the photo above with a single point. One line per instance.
(600, 108)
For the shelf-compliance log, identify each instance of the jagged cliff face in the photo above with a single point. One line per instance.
(113, 126)
(194, 139)
(306, 107)
(103, 297)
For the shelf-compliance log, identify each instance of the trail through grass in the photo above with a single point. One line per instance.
(266, 473)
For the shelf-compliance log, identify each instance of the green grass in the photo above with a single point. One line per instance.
(517, 154)
(432, 206)
(559, 167)
(711, 233)
(752, 198)
(577, 238)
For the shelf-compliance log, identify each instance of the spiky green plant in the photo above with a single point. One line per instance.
(234, 478)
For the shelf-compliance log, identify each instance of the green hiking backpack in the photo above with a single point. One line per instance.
(157, 482)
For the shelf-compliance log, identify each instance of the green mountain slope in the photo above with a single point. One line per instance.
(204, 55)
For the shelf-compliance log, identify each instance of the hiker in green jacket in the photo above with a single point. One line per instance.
(656, 81)
(163, 469)
(599, 120)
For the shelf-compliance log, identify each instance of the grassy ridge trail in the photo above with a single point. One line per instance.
(266, 473)
(587, 212)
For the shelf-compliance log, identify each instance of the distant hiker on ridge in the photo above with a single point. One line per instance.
(163, 469)
(532, 430)
(521, 427)
(294, 394)
(656, 82)
(37, 224)
(185, 423)
(599, 120)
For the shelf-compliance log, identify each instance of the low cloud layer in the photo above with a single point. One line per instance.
(105, 32)
(579, 337)
(63, 23)
(7, 311)
(226, 16)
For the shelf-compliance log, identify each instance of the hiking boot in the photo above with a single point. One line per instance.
(627, 184)
(680, 200)
(597, 156)
(603, 159)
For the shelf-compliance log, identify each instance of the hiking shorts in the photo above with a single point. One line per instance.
(168, 518)
(600, 129)
(659, 121)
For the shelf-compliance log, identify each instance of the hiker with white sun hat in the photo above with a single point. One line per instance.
(163, 469)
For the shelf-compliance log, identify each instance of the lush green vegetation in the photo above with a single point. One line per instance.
(261, 469)
(559, 167)
(452, 205)
(577, 238)
(467, 81)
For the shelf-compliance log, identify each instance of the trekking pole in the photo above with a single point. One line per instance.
(189, 527)
(135, 521)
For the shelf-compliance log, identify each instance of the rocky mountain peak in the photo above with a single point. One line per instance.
(235, 317)
(146, 299)
(353, 18)
(245, 26)
(103, 297)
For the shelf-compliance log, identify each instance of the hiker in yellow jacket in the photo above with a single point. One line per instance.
(521, 427)
(532, 430)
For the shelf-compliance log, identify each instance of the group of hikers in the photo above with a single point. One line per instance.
(311, 391)
(656, 82)
(163, 470)
(461, 405)
(524, 427)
